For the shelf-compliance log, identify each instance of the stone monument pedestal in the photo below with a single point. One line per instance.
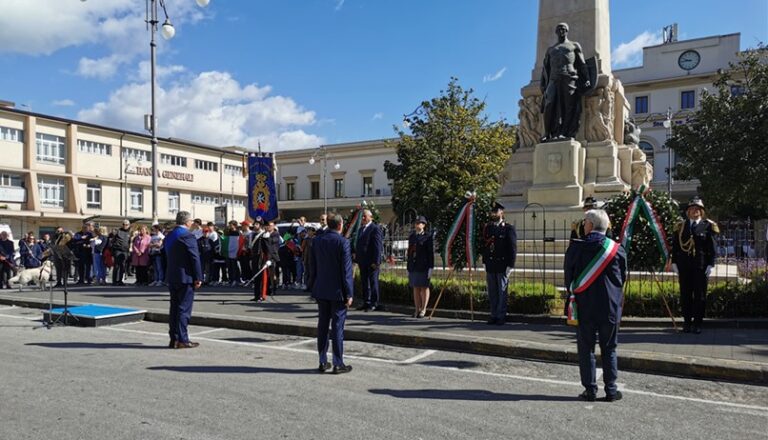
(602, 172)
(557, 175)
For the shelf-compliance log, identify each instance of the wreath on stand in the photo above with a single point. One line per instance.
(652, 217)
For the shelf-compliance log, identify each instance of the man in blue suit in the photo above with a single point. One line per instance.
(596, 271)
(368, 249)
(183, 274)
(332, 287)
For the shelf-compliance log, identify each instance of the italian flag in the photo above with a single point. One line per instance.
(596, 266)
(232, 245)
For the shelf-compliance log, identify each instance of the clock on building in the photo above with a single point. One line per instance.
(689, 60)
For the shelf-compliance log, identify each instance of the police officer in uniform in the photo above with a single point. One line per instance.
(499, 254)
(693, 258)
(577, 227)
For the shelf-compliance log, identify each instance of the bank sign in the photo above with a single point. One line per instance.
(174, 175)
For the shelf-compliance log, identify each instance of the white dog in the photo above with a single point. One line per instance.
(40, 275)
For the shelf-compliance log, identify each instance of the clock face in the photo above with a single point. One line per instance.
(689, 60)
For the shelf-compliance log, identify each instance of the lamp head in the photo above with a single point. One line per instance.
(168, 30)
(312, 160)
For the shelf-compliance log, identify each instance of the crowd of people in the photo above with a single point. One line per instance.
(230, 256)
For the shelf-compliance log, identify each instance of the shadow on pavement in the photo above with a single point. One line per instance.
(475, 395)
(93, 345)
(230, 369)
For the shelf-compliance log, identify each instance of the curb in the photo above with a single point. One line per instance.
(626, 322)
(644, 362)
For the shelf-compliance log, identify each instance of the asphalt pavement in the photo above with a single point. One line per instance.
(720, 353)
(122, 382)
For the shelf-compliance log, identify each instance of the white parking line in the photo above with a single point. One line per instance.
(293, 344)
(28, 318)
(419, 357)
(205, 332)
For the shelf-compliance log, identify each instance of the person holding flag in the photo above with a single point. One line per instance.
(595, 271)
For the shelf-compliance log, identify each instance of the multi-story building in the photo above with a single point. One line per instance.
(339, 176)
(58, 172)
(670, 82)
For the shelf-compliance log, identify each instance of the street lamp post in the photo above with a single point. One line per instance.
(168, 31)
(323, 154)
(668, 127)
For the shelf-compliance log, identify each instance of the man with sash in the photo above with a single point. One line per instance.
(693, 258)
(595, 272)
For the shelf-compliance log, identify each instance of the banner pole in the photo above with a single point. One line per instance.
(440, 295)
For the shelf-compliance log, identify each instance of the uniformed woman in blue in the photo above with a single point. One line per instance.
(421, 260)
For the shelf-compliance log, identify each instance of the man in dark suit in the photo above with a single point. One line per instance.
(500, 253)
(597, 285)
(693, 258)
(184, 274)
(368, 248)
(332, 287)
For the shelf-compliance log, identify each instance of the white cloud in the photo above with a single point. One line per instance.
(495, 76)
(211, 108)
(631, 54)
(339, 4)
(63, 103)
(377, 116)
(41, 27)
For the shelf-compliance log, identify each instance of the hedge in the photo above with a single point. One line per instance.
(643, 299)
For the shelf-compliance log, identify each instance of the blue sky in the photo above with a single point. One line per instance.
(297, 73)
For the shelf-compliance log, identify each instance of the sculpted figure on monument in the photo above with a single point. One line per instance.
(564, 79)
(631, 132)
(530, 131)
(599, 117)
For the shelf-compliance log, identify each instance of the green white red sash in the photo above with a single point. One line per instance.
(466, 217)
(596, 266)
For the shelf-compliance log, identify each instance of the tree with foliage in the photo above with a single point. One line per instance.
(725, 144)
(452, 148)
(643, 252)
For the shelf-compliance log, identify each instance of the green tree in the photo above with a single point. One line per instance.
(725, 144)
(451, 148)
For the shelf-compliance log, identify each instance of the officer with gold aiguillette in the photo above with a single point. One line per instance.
(693, 258)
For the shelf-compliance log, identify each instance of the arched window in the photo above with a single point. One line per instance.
(648, 150)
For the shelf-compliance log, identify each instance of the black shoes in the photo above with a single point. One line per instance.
(696, 329)
(613, 397)
(587, 396)
(324, 367)
(363, 308)
(342, 369)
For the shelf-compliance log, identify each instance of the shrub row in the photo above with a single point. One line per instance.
(644, 299)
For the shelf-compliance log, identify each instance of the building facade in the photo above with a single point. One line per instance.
(338, 176)
(58, 172)
(670, 82)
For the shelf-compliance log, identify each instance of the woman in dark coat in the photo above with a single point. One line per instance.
(421, 260)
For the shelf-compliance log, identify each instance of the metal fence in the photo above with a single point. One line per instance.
(741, 250)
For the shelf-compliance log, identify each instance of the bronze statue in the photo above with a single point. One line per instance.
(564, 79)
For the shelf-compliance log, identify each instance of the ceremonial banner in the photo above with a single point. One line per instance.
(262, 196)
